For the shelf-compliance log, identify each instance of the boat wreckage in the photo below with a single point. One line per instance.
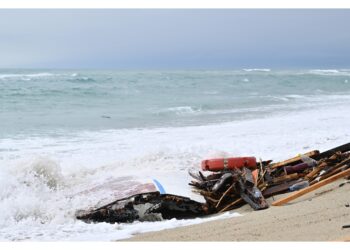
(226, 184)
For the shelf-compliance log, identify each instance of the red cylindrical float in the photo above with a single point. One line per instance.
(228, 163)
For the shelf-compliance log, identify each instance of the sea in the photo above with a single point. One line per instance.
(66, 131)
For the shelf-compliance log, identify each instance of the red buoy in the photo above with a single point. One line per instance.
(228, 163)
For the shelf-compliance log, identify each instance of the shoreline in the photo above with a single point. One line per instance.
(317, 216)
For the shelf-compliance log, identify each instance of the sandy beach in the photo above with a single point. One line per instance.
(317, 216)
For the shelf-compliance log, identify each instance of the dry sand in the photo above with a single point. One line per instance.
(317, 216)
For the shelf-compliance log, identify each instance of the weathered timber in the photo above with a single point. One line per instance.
(343, 148)
(309, 189)
(295, 160)
(211, 200)
(315, 171)
(251, 194)
(146, 207)
(196, 176)
(231, 205)
(207, 194)
(270, 191)
(224, 180)
(284, 178)
(224, 194)
(334, 171)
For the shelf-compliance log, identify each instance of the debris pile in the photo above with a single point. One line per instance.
(228, 188)
(230, 183)
(307, 172)
(145, 207)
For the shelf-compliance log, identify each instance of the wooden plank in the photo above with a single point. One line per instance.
(335, 169)
(330, 152)
(278, 189)
(309, 189)
(295, 159)
(226, 192)
(231, 205)
(314, 172)
(285, 178)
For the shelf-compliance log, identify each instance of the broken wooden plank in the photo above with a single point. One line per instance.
(314, 172)
(285, 178)
(343, 148)
(224, 194)
(336, 169)
(309, 189)
(295, 160)
(231, 205)
(278, 188)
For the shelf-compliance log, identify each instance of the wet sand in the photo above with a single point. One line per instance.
(317, 216)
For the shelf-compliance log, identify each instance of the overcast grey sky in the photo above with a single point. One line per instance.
(174, 39)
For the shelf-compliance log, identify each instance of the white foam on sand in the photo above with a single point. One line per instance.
(39, 175)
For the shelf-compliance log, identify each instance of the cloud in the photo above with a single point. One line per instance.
(135, 39)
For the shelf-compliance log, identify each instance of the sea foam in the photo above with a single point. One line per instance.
(56, 148)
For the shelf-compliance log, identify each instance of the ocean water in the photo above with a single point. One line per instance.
(63, 132)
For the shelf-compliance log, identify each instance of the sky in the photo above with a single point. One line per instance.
(174, 38)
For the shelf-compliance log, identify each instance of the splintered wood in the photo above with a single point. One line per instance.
(231, 186)
(228, 189)
(225, 189)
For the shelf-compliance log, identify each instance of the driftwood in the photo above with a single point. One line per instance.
(231, 205)
(284, 178)
(317, 169)
(229, 189)
(146, 207)
(343, 148)
(295, 160)
(301, 192)
(224, 194)
(278, 188)
(231, 186)
(225, 190)
(336, 169)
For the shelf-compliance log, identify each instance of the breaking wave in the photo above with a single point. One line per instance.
(30, 192)
(26, 76)
(76, 78)
(50, 156)
(181, 110)
(257, 70)
(329, 72)
(72, 77)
